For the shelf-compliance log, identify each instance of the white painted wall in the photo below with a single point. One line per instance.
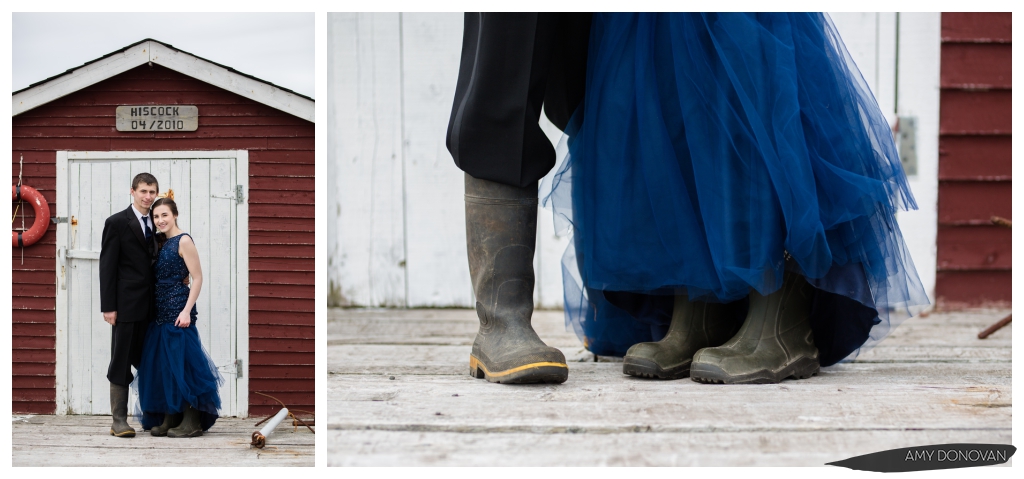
(396, 231)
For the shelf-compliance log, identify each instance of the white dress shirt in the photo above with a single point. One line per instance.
(142, 221)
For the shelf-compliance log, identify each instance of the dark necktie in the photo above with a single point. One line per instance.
(149, 231)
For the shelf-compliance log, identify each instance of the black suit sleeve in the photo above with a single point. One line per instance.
(110, 250)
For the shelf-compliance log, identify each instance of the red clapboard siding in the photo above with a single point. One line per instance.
(976, 65)
(978, 112)
(281, 211)
(974, 248)
(974, 157)
(974, 257)
(977, 27)
(973, 287)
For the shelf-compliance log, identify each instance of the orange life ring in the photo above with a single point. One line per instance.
(42, 209)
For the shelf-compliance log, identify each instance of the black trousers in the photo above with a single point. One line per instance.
(512, 63)
(125, 350)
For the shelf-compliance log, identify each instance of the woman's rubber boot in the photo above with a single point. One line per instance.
(170, 421)
(695, 325)
(774, 343)
(119, 411)
(190, 425)
(501, 233)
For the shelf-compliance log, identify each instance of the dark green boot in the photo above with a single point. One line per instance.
(190, 425)
(774, 343)
(694, 325)
(501, 233)
(119, 411)
(170, 421)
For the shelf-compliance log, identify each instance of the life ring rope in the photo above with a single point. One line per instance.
(42, 209)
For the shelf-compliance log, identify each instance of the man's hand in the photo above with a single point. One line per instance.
(110, 317)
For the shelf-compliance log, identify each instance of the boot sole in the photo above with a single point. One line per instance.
(122, 434)
(802, 368)
(543, 372)
(645, 368)
(194, 434)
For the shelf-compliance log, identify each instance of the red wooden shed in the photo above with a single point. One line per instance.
(244, 180)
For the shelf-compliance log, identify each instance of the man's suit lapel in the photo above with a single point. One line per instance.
(133, 224)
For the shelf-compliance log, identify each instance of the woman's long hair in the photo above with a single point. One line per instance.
(168, 200)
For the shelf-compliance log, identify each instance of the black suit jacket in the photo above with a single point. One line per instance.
(127, 282)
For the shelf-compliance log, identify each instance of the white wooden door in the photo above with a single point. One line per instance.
(97, 186)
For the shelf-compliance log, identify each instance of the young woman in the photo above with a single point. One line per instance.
(177, 379)
(732, 187)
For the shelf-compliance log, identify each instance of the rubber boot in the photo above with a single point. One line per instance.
(774, 343)
(119, 411)
(501, 233)
(170, 421)
(190, 425)
(694, 325)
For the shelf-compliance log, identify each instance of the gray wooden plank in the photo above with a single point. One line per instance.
(372, 448)
(84, 441)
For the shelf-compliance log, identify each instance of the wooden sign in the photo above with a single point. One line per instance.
(158, 118)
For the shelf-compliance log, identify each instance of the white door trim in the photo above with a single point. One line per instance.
(239, 297)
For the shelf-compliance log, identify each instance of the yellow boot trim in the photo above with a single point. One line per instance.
(476, 363)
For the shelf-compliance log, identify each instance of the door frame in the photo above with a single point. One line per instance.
(240, 293)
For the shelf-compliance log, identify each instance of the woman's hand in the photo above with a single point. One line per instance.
(184, 319)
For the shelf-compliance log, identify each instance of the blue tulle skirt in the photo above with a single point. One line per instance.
(175, 370)
(712, 153)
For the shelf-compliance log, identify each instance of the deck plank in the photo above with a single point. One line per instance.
(84, 441)
(398, 393)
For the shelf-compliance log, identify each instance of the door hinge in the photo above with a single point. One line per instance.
(236, 195)
(239, 371)
(59, 219)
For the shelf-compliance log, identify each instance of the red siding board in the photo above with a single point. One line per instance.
(275, 385)
(282, 156)
(281, 184)
(973, 202)
(973, 287)
(281, 251)
(30, 407)
(275, 318)
(976, 27)
(278, 237)
(278, 358)
(33, 329)
(976, 65)
(32, 342)
(271, 331)
(977, 112)
(34, 369)
(306, 278)
(281, 291)
(286, 372)
(974, 248)
(975, 157)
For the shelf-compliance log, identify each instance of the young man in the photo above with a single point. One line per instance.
(126, 291)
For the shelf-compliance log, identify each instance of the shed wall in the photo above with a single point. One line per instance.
(281, 223)
(974, 163)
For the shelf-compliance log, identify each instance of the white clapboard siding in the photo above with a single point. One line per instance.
(98, 188)
(396, 231)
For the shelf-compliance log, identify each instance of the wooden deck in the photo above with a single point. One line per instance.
(399, 393)
(84, 441)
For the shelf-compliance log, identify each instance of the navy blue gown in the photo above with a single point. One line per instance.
(175, 369)
(712, 153)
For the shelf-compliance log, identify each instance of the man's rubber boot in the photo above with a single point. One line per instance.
(694, 325)
(119, 411)
(190, 425)
(501, 233)
(170, 421)
(774, 343)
